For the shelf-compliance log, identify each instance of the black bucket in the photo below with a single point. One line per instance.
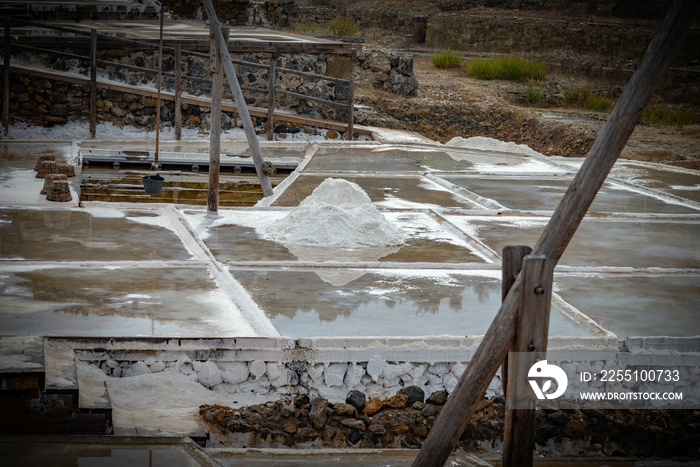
(153, 183)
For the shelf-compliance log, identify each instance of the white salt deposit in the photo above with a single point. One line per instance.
(491, 144)
(338, 214)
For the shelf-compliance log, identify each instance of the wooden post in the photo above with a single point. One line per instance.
(240, 102)
(159, 84)
(498, 339)
(271, 79)
(217, 90)
(351, 106)
(512, 263)
(531, 344)
(178, 92)
(6, 79)
(93, 83)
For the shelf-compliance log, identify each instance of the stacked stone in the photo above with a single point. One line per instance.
(49, 179)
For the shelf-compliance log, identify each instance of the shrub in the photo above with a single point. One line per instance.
(312, 28)
(534, 93)
(587, 99)
(505, 67)
(343, 26)
(666, 116)
(446, 59)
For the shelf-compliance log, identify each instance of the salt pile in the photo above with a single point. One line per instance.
(338, 214)
(491, 144)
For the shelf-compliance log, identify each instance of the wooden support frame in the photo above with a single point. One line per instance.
(351, 107)
(6, 79)
(271, 80)
(501, 334)
(217, 90)
(531, 344)
(93, 83)
(178, 92)
(512, 263)
(240, 101)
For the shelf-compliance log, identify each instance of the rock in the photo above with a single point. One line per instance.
(372, 407)
(118, 112)
(429, 410)
(421, 431)
(346, 410)
(418, 405)
(208, 373)
(354, 436)
(353, 376)
(353, 423)
(482, 404)
(399, 429)
(414, 393)
(397, 401)
(332, 134)
(357, 399)
(289, 428)
(192, 121)
(335, 374)
(233, 372)
(138, 368)
(317, 415)
(305, 434)
(377, 429)
(257, 368)
(438, 398)
(558, 418)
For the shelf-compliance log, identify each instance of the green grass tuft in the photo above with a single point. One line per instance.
(312, 28)
(343, 26)
(666, 116)
(505, 67)
(446, 59)
(586, 99)
(534, 93)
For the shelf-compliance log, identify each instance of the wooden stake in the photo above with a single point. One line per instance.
(531, 344)
(240, 101)
(178, 92)
(215, 125)
(500, 336)
(6, 79)
(158, 80)
(93, 83)
(351, 106)
(271, 79)
(512, 263)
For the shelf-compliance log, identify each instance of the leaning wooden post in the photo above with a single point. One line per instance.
(271, 79)
(93, 83)
(215, 125)
(260, 167)
(531, 334)
(6, 79)
(178, 92)
(512, 263)
(351, 106)
(612, 139)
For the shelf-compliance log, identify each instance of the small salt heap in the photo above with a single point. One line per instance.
(338, 214)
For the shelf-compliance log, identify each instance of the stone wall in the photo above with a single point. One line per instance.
(42, 101)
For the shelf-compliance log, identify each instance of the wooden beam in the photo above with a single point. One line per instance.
(512, 263)
(215, 122)
(178, 92)
(271, 79)
(93, 83)
(351, 106)
(159, 85)
(501, 334)
(6, 79)
(240, 101)
(531, 345)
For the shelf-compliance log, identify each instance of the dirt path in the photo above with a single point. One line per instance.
(448, 104)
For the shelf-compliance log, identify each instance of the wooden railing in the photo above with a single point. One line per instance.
(178, 52)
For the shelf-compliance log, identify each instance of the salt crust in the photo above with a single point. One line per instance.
(338, 214)
(491, 144)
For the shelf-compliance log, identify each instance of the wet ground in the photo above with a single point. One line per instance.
(121, 269)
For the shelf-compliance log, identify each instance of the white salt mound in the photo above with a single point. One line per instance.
(491, 144)
(338, 214)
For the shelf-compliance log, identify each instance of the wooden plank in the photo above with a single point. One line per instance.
(159, 85)
(6, 79)
(178, 92)
(215, 125)
(351, 106)
(512, 263)
(240, 101)
(93, 83)
(531, 344)
(271, 79)
(493, 348)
